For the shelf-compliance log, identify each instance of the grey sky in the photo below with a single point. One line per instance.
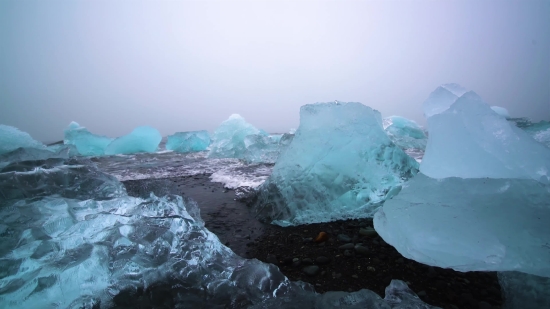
(188, 65)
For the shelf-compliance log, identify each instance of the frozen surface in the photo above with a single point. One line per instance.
(441, 99)
(341, 164)
(470, 140)
(524, 291)
(12, 138)
(141, 139)
(470, 224)
(405, 133)
(188, 141)
(501, 111)
(86, 143)
(228, 141)
(72, 238)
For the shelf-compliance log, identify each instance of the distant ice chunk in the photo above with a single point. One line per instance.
(86, 143)
(188, 141)
(228, 139)
(341, 164)
(442, 98)
(260, 148)
(141, 139)
(405, 133)
(501, 111)
(470, 140)
(12, 138)
(470, 224)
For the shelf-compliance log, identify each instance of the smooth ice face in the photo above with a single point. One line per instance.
(470, 224)
(188, 141)
(441, 99)
(341, 164)
(228, 139)
(12, 138)
(405, 133)
(142, 139)
(470, 140)
(86, 143)
(501, 111)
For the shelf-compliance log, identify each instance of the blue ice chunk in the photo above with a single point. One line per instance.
(470, 140)
(442, 98)
(12, 138)
(86, 143)
(501, 111)
(228, 139)
(261, 148)
(188, 141)
(142, 139)
(341, 164)
(405, 133)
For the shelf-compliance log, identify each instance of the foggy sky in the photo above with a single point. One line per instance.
(188, 65)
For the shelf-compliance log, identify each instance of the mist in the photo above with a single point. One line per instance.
(188, 65)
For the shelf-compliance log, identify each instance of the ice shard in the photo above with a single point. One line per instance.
(12, 138)
(470, 140)
(442, 98)
(188, 141)
(228, 139)
(141, 139)
(405, 133)
(501, 111)
(86, 143)
(341, 164)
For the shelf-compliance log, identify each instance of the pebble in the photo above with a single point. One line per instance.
(321, 260)
(343, 238)
(336, 275)
(307, 240)
(271, 258)
(361, 250)
(322, 237)
(348, 253)
(355, 276)
(307, 261)
(346, 246)
(311, 270)
(370, 268)
(367, 231)
(421, 293)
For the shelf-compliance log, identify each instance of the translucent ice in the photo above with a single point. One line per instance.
(501, 111)
(405, 133)
(470, 224)
(188, 141)
(260, 148)
(341, 164)
(470, 140)
(442, 98)
(142, 139)
(86, 143)
(12, 138)
(228, 139)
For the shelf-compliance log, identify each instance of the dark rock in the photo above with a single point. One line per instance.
(271, 258)
(322, 260)
(348, 253)
(367, 231)
(421, 293)
(343, 238)
(311, 270)
(346, 246)
(307, 261)
(361, 250)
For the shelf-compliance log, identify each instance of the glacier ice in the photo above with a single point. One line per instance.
(260, 148)
(86, 143)
(188, 141)
(228, 139)
(76, 240)
(470, 224)
(405, 133)
(442, 98)
(341, 164)
(470, 140)
(501, 111)
(28, 154)
(12, 138)
(141, 139)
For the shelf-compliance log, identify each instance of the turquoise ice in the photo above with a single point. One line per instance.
(228, 139)
(188, 141)
(86, 143)
(405, 133)
(141, 139)
(12, 138)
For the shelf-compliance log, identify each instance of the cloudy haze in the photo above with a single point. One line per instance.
(188, 65)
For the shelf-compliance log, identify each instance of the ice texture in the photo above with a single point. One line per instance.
(442, 98)
(501, 111)
(27, 154)
(228, 139)
(470, 140)
(524, 291)
(405, 133)
(470, 224)
(540, 131)
(73, 239)
(188, 141)
(86, 143)
(141, 139)
(260, 148)
(12, 138)
(341, 164)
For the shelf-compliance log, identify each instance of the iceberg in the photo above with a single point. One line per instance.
(405, 133)
(228, 139)
(470, 140)
(86, 143)
(188, 141)
(442, 98)
(12, 138)
(74, 239)
(341, 164)
(141, 139)
(260, 148)
(501, 111)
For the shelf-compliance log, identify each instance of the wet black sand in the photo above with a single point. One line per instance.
(293, 249)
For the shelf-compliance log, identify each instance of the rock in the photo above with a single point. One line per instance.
(322, 260)
(370, 268)
(348, 253)
(346, 246)
(311, 270)
(296, 262)
(322, 237)
(271, 258)
(343, 238)
(355, 276)
(336, 275)
(361, 250)
(367, 231)
(308, 240)
(421, 293)
(307, 261)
